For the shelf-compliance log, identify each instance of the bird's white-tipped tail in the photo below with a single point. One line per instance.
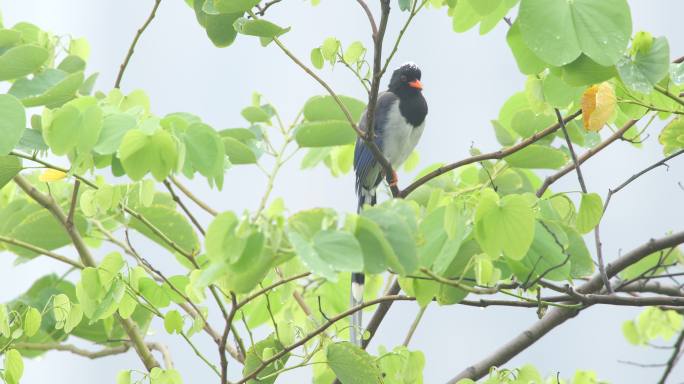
(356, 298)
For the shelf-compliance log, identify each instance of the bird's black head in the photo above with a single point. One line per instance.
(406, 80)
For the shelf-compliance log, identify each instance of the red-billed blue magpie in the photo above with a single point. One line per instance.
(399, 121)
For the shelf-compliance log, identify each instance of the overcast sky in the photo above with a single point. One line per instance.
(467, 77)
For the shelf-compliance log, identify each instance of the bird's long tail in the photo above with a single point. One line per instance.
(358, 279)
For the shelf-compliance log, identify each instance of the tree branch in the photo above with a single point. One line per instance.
(41, 251)
(192, 197)
(673, 358)
(185, 209)
(497, 155)
(586, 156)
(371, 20)
(168, 363)
(558, 316)
(320, 330)
(87, 259)
(123, 66)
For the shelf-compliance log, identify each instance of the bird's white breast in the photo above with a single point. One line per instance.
(400, 137)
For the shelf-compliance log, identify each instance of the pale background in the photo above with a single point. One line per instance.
(467, 78)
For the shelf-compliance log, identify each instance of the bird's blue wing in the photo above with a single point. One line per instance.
(368, 170)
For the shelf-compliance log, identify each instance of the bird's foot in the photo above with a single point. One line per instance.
(393, 182)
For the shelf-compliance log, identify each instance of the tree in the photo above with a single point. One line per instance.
(469, 232)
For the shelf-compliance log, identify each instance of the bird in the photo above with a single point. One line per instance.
(399, 121)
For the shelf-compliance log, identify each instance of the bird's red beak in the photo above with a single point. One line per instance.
(416, 84)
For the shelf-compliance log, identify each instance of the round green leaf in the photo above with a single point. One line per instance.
(51, 88)
(505, 225)
(260, 28)
(340, 250)
(9, 167)
(352, 365)
(325, 133)
(141, 153)
(22, 60)
(12, 124)
(537, 157)
(647, 67)
(558, 31)
(590, 212)
(173, 322)
(220, 28)
(238, 152)
(32, 320)
(323, 108)
(13, 367)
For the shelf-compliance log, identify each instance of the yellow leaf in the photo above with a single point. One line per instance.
(598, 106)
(51, 175)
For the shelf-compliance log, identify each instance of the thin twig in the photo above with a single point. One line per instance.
(584, 157)
(371, 20)
(192, 197)
(497, 155)
(185, 209)
(123, 66)
(253, 374)
(583, 186)
(414, 326)
(41, 251)
(673, 358)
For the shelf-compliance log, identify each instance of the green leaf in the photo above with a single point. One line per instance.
(123, 377)
(307, 253)
(5, 330)
(317, 58)
(484, 7)
(354, 52)
(538, 157)
(260, 28)
(234, 6)
(32, 320)
(110, 302)
(400, 235)
(237, 151)
(141, 153)
(590, 212)
(340, 250)
(352, 365)
(324, 108)
(250, 268)
(13, 367)
(375, 247)
(41, 229)
(12, 124)
(404, 5)
(22, 60)
(647, 68)
(171, 223)
(220, 28)
(546, 256)
(528, 62)
(76, 125)
(526, 123)
(672, 136)
(325, 133)
(464, 16)
(558, 31)
(255, 114)
(585, 71)
(402, 366)
(258, 353)
(677, 73)
(505, 225)
(154, 293)
(9, 167)
(221, 241)
(629, 330)
(173, 322)
(114, 127)
(51, 88)
(74, 319)
(558, 93)
(205, 151)
(61, 306)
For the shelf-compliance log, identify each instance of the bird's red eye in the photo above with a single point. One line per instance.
(403, 78)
